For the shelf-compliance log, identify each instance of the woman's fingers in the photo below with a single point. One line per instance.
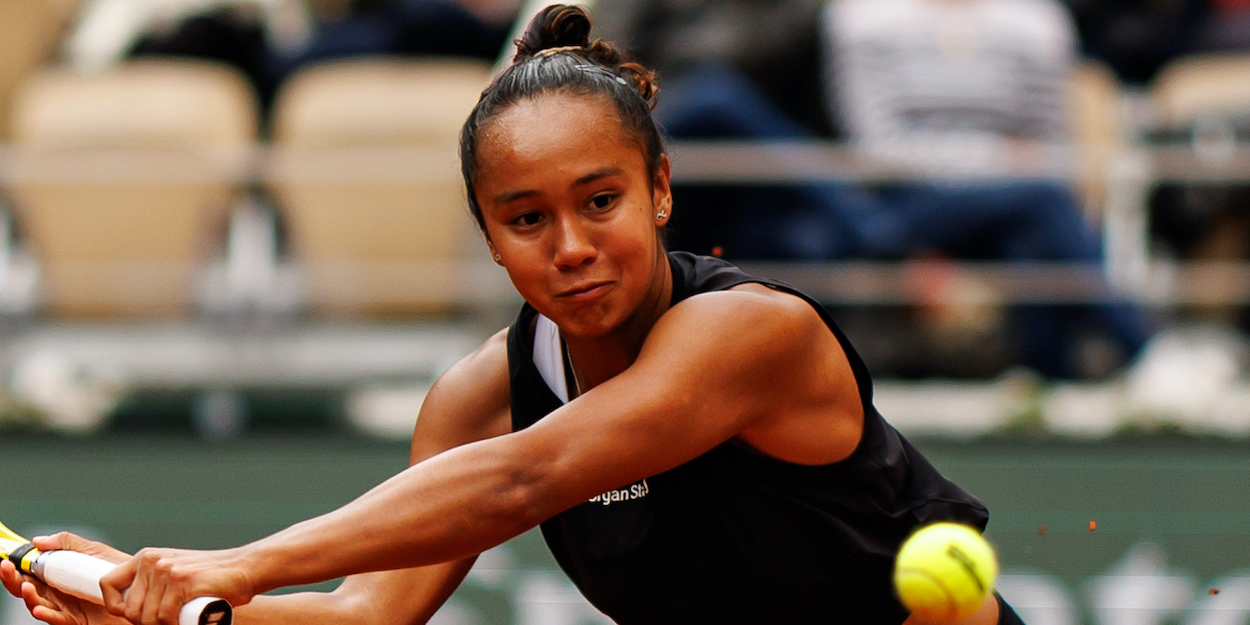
(11, 579)
(150, 592)
(53, 617)
(135, 593)
(44, 609)
(153, 586)
(25, 588)
(74, 542)
(46, 603)
(58, 608)
(171, 604)
(53, 607)
(113, 587)
(32, 592)
(35, 597)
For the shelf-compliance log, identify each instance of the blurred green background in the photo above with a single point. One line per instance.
(1172, 518)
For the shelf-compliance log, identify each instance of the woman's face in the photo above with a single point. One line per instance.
(571, 210)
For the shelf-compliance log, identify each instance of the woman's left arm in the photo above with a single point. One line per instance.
(710, 368)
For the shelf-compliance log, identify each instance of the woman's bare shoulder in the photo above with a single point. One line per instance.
(469, 402)
(771, 353)
(765, 311)
(764, 332)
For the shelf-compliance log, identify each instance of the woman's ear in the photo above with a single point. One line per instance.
(662, 192)
(494, 254)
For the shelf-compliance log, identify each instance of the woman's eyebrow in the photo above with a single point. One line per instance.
(510, 196)
(598, 174)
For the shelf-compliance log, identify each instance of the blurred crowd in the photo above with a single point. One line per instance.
(947, 89)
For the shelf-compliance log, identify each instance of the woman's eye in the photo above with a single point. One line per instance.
(601, 202)
(528, 219)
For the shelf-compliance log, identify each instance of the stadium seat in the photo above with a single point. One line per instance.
(364, 165)
(1203, 87)
(28, 33)
(1205, 100)
(121, 181)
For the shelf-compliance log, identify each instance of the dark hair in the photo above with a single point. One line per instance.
(556, 55)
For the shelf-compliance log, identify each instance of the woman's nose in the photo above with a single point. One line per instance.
(573, 246)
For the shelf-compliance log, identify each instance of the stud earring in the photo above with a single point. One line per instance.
(498, 258)
(661, 215)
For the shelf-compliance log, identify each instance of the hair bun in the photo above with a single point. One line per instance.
(557, 26)
(563, 26)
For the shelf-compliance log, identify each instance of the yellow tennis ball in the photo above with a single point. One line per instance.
(944, 572)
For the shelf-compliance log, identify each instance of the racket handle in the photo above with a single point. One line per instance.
(73, 573)
(79, 574)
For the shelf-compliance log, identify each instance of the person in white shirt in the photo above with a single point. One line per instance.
(922, 80)
(956, 91)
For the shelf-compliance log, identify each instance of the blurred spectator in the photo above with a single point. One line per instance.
(471, 28)
(1137, 37)
(922, 80)
(959, 86)
(108, 29)
(773, 44)
(270, 39)
(747, 69)
(227, 34)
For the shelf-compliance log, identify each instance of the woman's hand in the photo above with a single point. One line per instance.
(52, 606)
(152, 587)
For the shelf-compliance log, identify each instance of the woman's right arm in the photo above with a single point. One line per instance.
(401, 596)
(408, 596)
(468, 403)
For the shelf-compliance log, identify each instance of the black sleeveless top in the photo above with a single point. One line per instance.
(737, 537)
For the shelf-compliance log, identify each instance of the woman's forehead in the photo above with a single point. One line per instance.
(551, 126)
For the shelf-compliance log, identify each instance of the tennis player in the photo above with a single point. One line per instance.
(698, 445)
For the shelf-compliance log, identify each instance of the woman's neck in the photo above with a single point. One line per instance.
(597, 359)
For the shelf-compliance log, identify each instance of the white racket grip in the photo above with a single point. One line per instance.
(79, 574)
(71, 572)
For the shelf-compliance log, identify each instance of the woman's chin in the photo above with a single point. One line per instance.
(587, 322)
(584, 328)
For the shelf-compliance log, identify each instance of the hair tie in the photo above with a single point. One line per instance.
(552, 51)
(602, 70)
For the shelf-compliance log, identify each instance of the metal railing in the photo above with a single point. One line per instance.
(1127, 173)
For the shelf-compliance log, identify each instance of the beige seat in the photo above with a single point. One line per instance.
(121, 181)
(1209, 96)
(28, 35)
(1193, 88)
(366, 169)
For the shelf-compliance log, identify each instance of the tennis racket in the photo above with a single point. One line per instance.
(79, 574)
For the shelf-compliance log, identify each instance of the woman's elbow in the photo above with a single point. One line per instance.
(530, 494)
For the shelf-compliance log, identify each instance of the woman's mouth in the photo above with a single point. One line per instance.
(585, 291)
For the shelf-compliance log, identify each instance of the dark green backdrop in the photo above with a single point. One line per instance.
(1187, 497)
